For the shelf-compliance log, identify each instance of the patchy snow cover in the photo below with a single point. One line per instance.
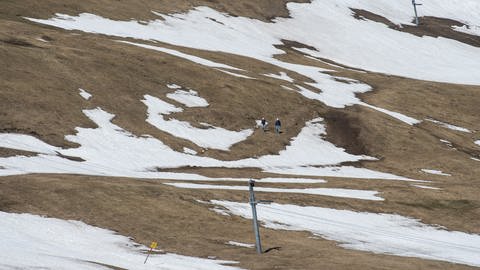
(425, 187)
(435, 172)
(282, 76)
(214, 137)
(337, 35)
(238, 244)
(308, 148)
(378, 233)
(188, 98)
(84, 94)
(111, 150)
(333, 192)
(196, 59)
(476, 159)
(477, 142)
(31, 242)
(452, 127)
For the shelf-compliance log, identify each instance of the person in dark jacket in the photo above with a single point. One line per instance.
(264, 124)
(278, 124)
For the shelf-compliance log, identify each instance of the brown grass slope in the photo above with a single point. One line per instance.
(39, 96)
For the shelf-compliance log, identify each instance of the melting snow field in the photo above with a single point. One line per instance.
(207, 29)
(378, 233)
(341, 40)
(113, 151)
(34, 242)
(333, 192)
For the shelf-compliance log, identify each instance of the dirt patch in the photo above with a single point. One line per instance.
(344, 130)
(6, 152)
(428, 26)
(17, 42)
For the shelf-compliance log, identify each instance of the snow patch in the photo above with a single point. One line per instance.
(332, 192)
(238, 244)
(235, 74)
(406, 119)
(189, 151)
(425, 187)
(452, 127)
(291, 180)
(84, 94)
(435, 172)
(188, 98)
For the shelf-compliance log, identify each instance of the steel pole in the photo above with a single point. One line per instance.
(253, 204)
(415, 9)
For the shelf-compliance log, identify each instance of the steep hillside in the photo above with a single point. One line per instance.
(110, 110)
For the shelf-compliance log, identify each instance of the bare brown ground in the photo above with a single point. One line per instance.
(148, 211)
(39, 96)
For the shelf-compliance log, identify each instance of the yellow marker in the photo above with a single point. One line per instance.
(152, 246)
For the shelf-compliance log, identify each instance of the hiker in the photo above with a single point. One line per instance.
(278, 124)
(264, 124)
